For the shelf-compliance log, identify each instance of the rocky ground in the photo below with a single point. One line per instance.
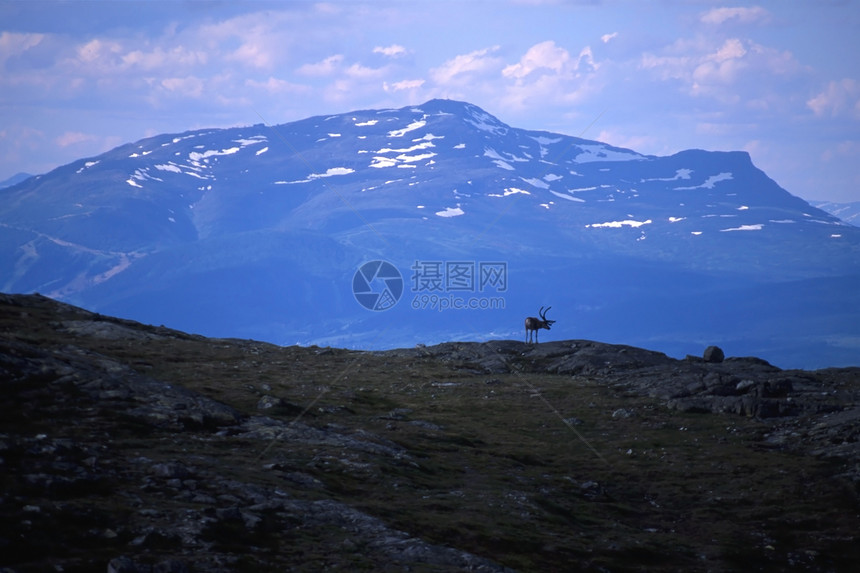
(131, 448)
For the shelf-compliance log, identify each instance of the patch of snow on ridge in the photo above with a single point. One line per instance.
(253, 140)
(486, 122)
(196, 156)
(619, 224)
(87, 165)
(169, 167)
(756, 227)
(566, 196)
(332, 171)
(412, 158)
(545, 140)
(598, 152)
(679, 174)
(416, 147)
(429, 137)
(535, 182)
(709, 183)
(509, 191)
(411, 127)
(451, 212)
(380, 162)
(261, 151)
(368, 122)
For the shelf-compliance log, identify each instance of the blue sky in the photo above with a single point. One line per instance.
(778, 79)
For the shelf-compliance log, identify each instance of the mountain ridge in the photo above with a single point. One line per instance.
(258, 230)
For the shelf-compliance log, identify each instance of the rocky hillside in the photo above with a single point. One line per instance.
(131, 448)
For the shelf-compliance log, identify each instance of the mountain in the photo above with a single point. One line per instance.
(388, 228)
(17, 178)
(848, 212)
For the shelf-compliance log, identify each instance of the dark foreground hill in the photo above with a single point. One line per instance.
(126, 447)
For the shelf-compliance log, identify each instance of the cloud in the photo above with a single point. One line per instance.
(189, 86)
(547, 75)
(402, 85)
(842, 151)
(840, 98)
(274, 85)
(358, 71)
(730, 72)
(74, 138)
(324, 68)
(15, 44)
(545, 55)
(477, 62)
(606, 37)
(392, 51)
(743, 15)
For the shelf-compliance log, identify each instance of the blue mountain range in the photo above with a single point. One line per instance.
(437, 222)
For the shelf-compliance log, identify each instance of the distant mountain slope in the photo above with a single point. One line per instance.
(259, 232)
(848, 212)
(15, 179)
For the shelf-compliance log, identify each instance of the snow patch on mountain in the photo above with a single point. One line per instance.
(619, 224)
(332, 172)
(486, 122)
(411, 127)
(590, 153)
(509, 191)
(709, 183)
(168, 167)
(535, 182)
(87, 165)
(451, 212)
(566, 196)
(757, 227)
(679, 174)
(195, 157)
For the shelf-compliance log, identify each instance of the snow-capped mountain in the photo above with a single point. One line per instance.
(266, 232)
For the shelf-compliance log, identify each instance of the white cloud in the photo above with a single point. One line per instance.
(392, 51)
(477, 62)
(545, 55)
(402, 85)
(735, 71)
(324, 68)
(362, 72)
(14, 44)
(606, 37)
(189, 86)
(743, 15)
(840, 98)
(276, 86)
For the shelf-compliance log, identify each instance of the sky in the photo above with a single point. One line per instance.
(778, 79)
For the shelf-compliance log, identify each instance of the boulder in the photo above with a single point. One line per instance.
(714, 354)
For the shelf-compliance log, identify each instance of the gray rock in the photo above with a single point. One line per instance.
(714, 354)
